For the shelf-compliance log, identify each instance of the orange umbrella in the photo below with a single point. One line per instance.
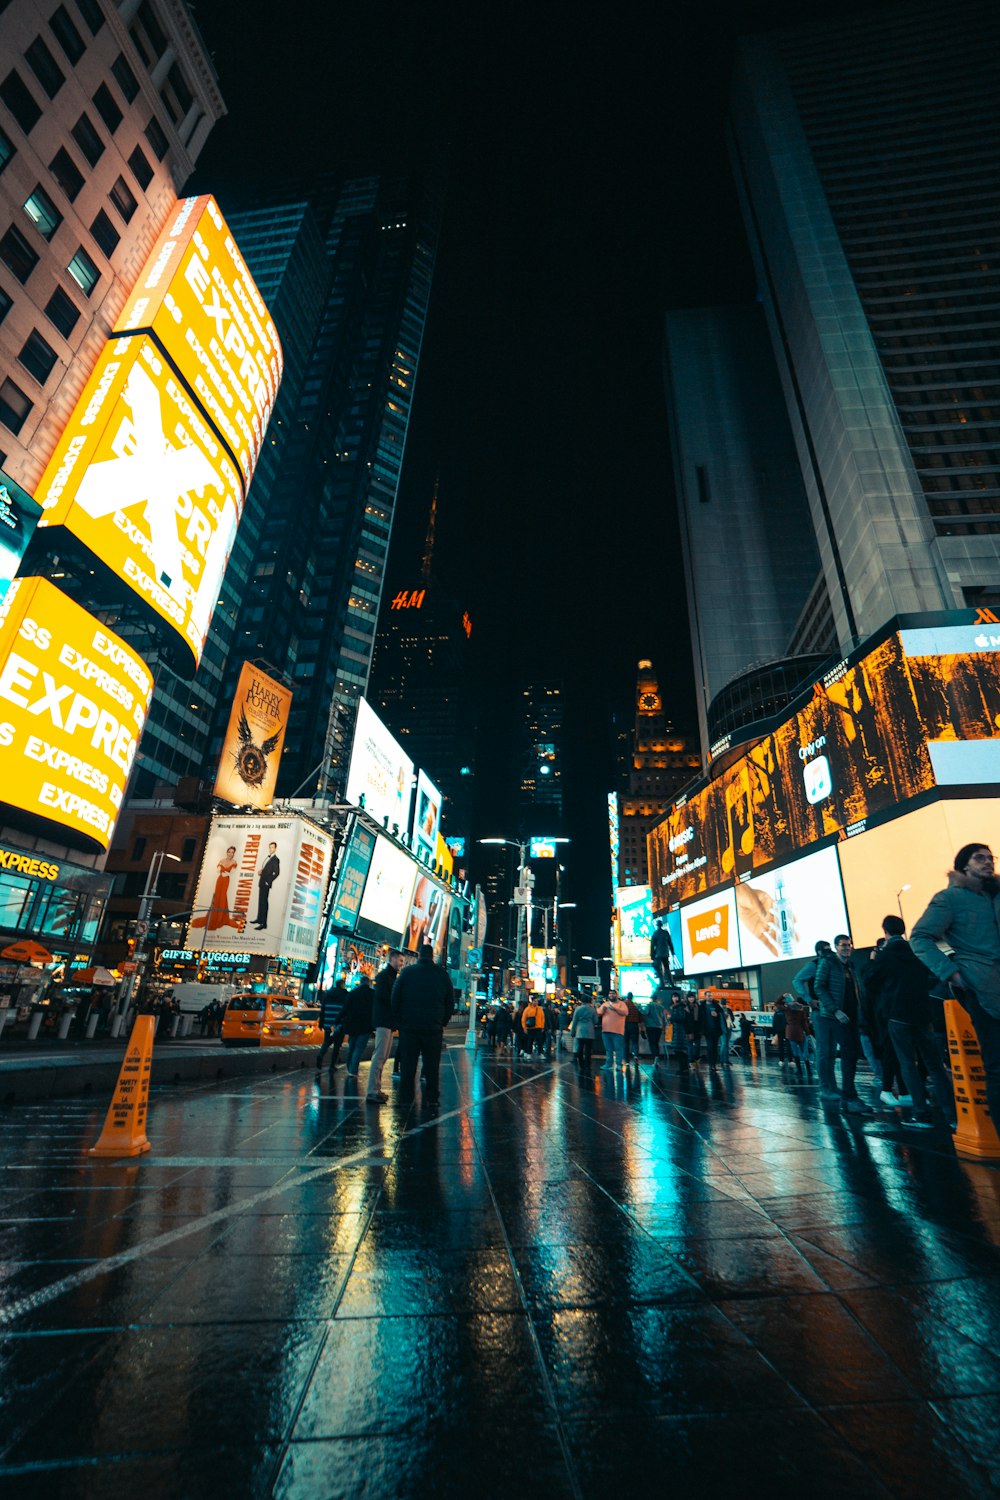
(27, 952)
(96, 975)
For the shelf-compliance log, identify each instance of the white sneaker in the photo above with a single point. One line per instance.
(890, 1099)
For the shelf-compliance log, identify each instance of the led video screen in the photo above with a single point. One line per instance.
(709, 935)
(352, 876)
(635, 923)
(784, 912)
(380, 775)
(385, 905)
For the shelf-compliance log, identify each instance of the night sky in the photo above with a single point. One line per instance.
(589, 191)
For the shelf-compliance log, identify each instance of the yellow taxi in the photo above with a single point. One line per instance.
(268, 1021)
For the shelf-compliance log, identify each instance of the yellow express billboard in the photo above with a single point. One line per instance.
(73, 700)
(197, 298)
(251, 751)
(144, 482)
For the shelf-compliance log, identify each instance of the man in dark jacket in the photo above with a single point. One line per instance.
(839, 996)
(422, 1004)
(899, 986)
(357, 1022)
(331, 1012)
(382, 1020)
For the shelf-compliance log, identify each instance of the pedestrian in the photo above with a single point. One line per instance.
(655, 1021)
(967, 916)
(633, 1022)
(899, 985)
(712, 1029)
(422, 1003)
(583, 1028)
(612, 1013)
(503, 1025)
(333, 1010)
(796, 1035)
(886, 1059)
(694, 1026)
(779, 1025)
(746, 1032)
(728, 1027)
(357, 1022)
(382, 1020)
(804, 986)
(839, 994)
(678, 1031)
(533, 1026)
(868, 1027)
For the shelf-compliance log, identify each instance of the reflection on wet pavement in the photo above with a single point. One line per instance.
(553, 1285)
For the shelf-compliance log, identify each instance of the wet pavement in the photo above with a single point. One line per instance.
(554, 1287)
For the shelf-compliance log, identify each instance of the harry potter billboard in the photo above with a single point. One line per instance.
(251, 750)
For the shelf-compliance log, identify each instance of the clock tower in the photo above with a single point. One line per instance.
(660, 763)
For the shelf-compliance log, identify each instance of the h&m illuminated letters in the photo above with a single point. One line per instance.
(73, 700)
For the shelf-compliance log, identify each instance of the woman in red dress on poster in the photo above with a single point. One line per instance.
(219, 914)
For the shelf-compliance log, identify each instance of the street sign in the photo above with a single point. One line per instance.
(141, 928)
(475, 957)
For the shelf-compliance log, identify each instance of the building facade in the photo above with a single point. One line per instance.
(866, 152)
(660, 761)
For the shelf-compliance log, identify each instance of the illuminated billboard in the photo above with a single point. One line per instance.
(896, 868)
(709, 936)
(251, 750)
(351, 877)
(426, 816)
(198, 300)
(143, 481)
(18, 518)
(542, 848)
(428, 922)
(261, 887)
(637, 980)
(386, 903)
(917, 710)
(73, 701)
(784, 912)
(635, 923)
(380, 775)
(456, 845)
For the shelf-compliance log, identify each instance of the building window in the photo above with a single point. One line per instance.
(62, 312)
(188, 850)
(88, 140)
(176, 95)
(91, 12)
(6, 303)
(138, 850)
(156, 137)
(37, 357)
(45, 67)
(66, 34)
(125, 78)
(14, 406)
(123, 200)
(141, 170)
(147, 33)
(18, 254)
(6, 149)
(83, 271)
(105, 234)
(107, 108)
(66, 172)
(20, 101)
(43, 213)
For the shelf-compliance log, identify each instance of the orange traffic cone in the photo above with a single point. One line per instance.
(976, 1135)
(124, 1132)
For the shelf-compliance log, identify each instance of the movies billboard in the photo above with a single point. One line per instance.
(251, 750)
(430, 908)
(73, 702)
(869, 739)
(261, 887)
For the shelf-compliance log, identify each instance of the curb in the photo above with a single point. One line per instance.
(50, 1080)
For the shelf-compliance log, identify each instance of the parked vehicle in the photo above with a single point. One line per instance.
(268, 1021)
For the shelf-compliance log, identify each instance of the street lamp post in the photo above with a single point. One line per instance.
(522, 908)
(899, 900)
(142, 930)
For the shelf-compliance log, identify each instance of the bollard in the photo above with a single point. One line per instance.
(92, 1021)
(4, 1013)
(34, 1025)
(116, 1025)
(65, 1022)
(175, 1025)
(188, 1024)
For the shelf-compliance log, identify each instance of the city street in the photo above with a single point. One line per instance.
(548, 1288)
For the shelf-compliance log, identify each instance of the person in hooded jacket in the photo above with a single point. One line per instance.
(357, 1022)
(382, 1020)
(899, 985)
(583, 1028)
(423, 1000)
(967, 917)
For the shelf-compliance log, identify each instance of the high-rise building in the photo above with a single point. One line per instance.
(866, 151)
(422, 686)
(317, 575)
(660, 761)
(539, 758)
(750, 554)
(104, 110)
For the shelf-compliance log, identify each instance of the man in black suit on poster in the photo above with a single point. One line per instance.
(269, 872)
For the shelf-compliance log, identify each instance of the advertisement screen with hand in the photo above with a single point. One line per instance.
(784, 912)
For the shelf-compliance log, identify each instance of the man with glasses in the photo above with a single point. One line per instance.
(966, 917)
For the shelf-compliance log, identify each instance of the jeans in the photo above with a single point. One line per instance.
(712, 1046)
(332, 1037)
(415, 1045)
(800, 1050)
(850, 1050)
(356, 1053)
(910, 1043)
(868, 1047)
(653, 1038)
(631, 1040)
(827, 1029)
(724, 1040)
(383, 1046)
(614, 1049)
